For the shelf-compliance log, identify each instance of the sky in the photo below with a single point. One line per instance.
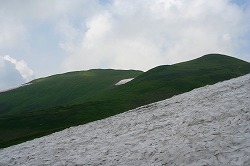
(42, 38)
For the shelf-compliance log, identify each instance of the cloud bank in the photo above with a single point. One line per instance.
(21, 67)
(141, 34)
(55, 36)
(13, 32)
(13, 73)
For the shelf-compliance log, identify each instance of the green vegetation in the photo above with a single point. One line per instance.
(57, 102)
(61, 90)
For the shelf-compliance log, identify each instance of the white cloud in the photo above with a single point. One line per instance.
(48, 10)
(97, 28)
(13, 32)
(9, 76)
(141, 34)
(21, 67)
(138, 34)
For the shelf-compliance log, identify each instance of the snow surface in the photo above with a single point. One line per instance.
(124, 81)
(207, 126)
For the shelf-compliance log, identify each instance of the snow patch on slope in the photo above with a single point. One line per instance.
(124, 81)
(206, 126)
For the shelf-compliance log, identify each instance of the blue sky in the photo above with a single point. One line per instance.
(42, 38)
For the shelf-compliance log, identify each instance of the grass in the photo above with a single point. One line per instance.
(60, 90)
(57, 102)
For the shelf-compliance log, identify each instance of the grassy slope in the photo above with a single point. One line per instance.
(60, 90)
(37, 109)
(165, 81)
(156, 84)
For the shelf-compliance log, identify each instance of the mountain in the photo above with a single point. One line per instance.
(165, 81)
(57, 102)
(206, 126)
(61, 89)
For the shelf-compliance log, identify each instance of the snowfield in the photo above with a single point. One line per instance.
(124, 81)
(206, 126)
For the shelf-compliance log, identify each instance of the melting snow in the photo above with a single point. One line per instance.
(124, 81)
(207, 126)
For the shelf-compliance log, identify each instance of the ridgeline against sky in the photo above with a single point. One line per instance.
(41, 38)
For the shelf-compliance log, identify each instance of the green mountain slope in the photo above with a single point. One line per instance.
(103, 99)
(62, 89)
(168, 80)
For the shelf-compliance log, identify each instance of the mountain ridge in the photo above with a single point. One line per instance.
(208, 125)
(99, 98)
